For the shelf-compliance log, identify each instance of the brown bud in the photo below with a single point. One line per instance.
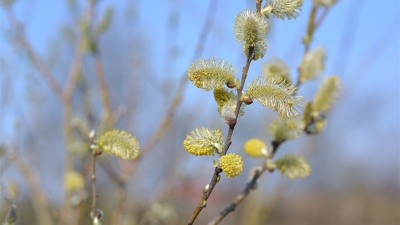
(97, 152)
(231, 122)
(231, 85)
(247, 100)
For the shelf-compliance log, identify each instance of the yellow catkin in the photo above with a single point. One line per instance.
(203, 142)
(255, 148)
(327, 93)
(231, 164)
(119, 143)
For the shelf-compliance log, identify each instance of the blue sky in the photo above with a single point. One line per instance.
(361, 40)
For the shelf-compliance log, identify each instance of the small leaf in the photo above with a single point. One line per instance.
(120, 144)
(293, 166)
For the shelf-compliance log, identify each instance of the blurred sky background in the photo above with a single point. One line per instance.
(359, 147)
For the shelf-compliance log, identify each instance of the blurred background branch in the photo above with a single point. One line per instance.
(66, 69)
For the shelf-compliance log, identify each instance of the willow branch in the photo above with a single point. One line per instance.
(203, 201)
(75, 69)
(275, 145)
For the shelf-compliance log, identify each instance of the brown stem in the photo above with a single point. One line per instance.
(321, 18)
(104, 94)
(238, 199)
(258, 6)
(94, 193)
(74, 72)
(203, 202)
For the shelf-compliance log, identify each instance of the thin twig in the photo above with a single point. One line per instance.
(258, 6)
(238, 199)
(39, 199)
(95, 152)
(312, 26)
(75, 69)
(321, 18)
(39, 64)
(94, 193)
(112, 174)
(104, 94)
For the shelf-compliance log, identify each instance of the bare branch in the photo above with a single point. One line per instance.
(39, 64)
